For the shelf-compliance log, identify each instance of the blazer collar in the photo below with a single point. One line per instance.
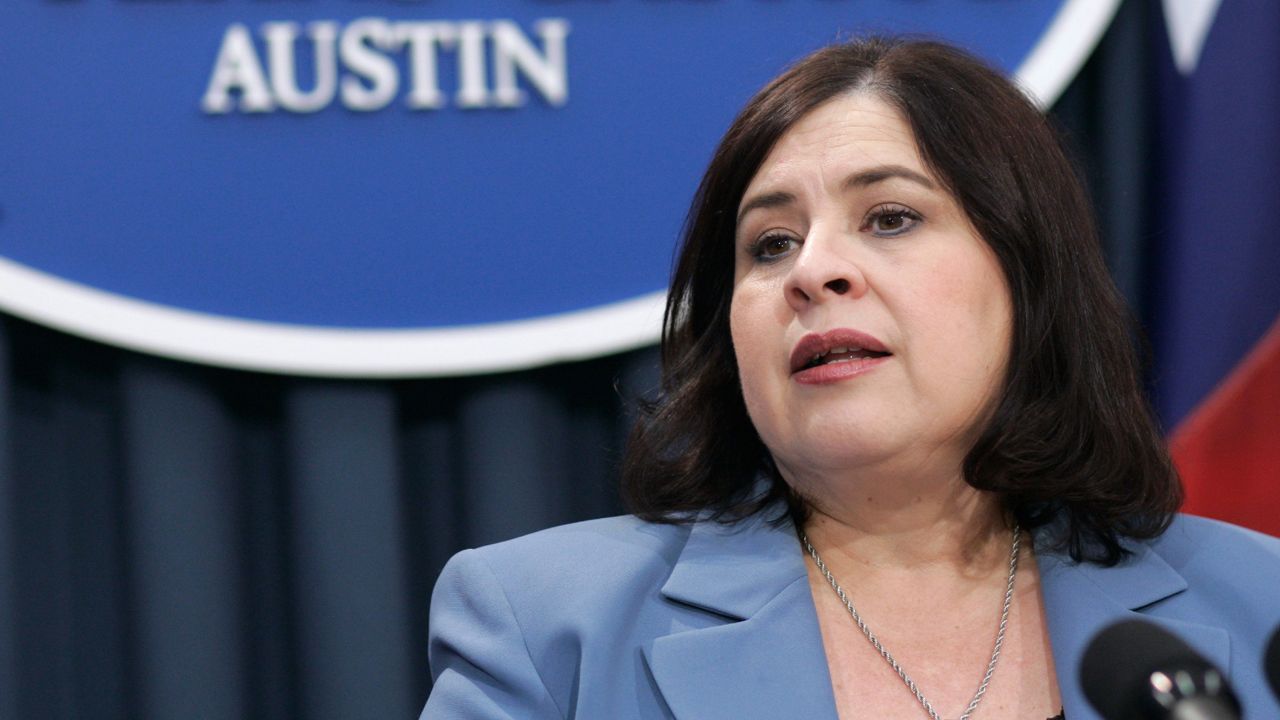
(735, 570)
(767, 659)
(1081, 599)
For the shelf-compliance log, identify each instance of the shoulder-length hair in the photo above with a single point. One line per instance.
(1071, 433)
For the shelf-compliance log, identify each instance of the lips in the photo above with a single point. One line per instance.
(836, 346)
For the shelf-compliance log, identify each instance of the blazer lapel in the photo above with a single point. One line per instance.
(1081, 599)
(766, 659)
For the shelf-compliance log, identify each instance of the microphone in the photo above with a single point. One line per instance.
(1134, 670)
(1271, 662)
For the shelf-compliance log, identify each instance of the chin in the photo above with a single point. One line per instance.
(829, 448)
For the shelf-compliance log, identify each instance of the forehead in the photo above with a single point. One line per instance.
(840, 136)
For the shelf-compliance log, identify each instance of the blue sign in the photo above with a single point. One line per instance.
(400, 187)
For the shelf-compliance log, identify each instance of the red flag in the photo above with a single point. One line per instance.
(1227, 449)
(1217, 276)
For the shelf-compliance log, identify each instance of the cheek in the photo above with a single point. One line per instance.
(744, 340)
(752, 349)
(991, 312)
(971, 292)
(963, 314)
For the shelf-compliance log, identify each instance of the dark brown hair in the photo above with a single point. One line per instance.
(1071, 435)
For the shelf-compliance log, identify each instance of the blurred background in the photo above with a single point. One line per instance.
(219, 536)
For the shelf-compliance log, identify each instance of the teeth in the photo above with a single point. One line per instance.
(818, 357)
(835, 351)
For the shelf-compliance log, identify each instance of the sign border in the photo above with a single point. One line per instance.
(440, 352)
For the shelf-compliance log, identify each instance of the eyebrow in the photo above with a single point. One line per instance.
(871, 176)
(761, 202)
(861, 179)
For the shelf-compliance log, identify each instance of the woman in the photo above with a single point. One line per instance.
(901, 467)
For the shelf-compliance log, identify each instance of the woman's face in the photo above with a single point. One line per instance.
(870, 322)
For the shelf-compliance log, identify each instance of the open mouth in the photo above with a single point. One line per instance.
(842, 354)
(842, 345)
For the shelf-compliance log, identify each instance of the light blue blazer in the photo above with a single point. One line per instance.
(619, 618)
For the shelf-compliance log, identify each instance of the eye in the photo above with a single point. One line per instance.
(773, 245)
(890, 220)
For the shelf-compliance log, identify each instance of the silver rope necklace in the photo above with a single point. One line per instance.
(884, 653)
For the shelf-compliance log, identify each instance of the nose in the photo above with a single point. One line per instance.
(824, 270)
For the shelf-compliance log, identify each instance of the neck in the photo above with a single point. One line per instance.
(907, 523)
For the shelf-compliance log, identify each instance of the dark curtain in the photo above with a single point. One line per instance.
(179, 541)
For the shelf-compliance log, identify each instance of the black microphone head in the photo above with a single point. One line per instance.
(1271, 662)
(1134, 670)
